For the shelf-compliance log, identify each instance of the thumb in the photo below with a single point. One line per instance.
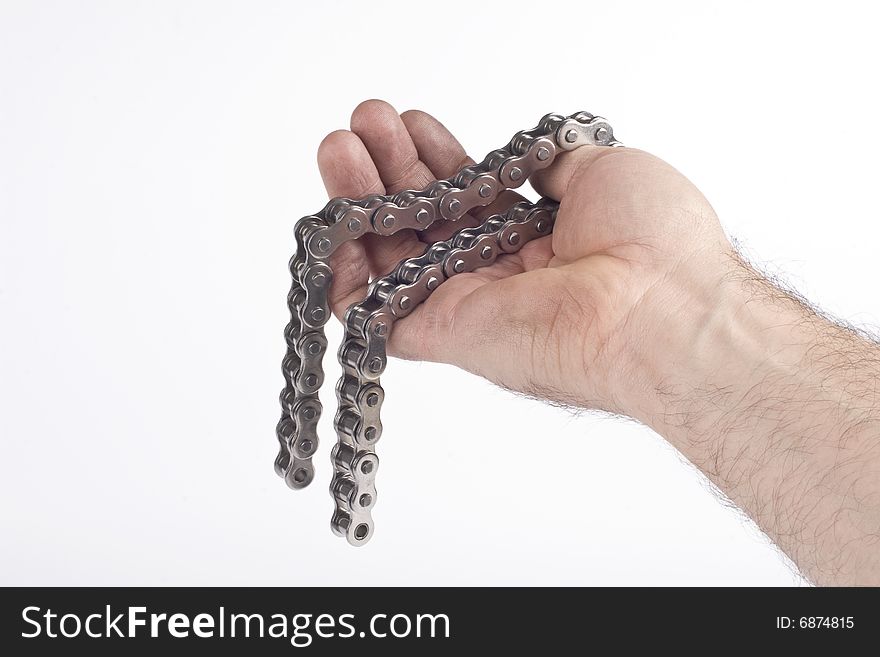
(555, 179)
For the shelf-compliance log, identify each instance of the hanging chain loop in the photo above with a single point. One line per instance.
(368, 323)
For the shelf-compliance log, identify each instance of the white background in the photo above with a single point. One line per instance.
(153, 160)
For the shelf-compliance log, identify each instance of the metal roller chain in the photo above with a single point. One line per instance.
(389, 298)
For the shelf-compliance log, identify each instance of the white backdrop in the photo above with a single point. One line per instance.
(153, 160)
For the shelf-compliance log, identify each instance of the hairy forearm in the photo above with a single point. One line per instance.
(780, 408)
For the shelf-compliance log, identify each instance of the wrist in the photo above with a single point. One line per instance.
(778, 407)
(718, 332)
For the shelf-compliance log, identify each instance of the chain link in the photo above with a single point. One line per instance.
(368, 323)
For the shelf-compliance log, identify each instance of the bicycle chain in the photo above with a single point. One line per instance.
(389, 298)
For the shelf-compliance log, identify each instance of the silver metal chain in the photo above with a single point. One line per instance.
(368, 323)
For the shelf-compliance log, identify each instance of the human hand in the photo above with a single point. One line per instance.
(638, 304)
(572, 316)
